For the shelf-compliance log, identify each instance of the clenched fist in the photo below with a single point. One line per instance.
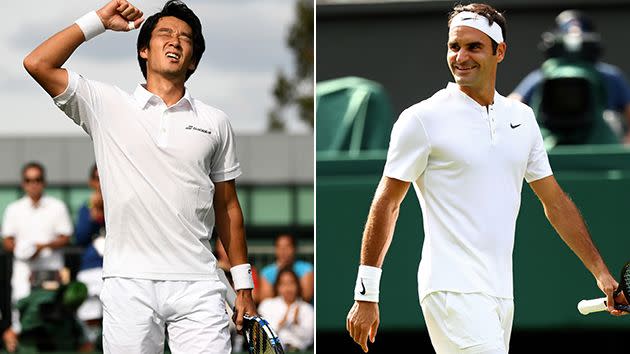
(118, 14)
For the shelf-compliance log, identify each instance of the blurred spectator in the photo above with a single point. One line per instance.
(35, 227)
(47, 314)
(290, 316)
(575, 35)
(285, 249)
(90, 234)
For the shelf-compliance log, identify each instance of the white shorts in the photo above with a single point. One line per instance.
(136, 312)
(468, 323)
(91, 308)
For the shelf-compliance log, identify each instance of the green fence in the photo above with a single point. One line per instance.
(549, 280)
(263, 205)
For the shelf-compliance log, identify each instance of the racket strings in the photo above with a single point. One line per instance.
(625, 279)
(259, 342)
(624, 287)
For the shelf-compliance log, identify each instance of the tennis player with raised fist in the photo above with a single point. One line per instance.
(466, 150)
(167, 165)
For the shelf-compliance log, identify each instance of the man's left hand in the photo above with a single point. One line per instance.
(608, 285)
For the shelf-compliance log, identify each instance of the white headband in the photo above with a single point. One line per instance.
(471, 19)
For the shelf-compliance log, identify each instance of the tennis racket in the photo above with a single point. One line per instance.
(259, 336)
(594, 305)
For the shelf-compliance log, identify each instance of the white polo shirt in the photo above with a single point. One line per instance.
(30, 225)
(157, 166)
(467, 164)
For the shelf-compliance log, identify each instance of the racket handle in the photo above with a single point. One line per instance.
(594, 305)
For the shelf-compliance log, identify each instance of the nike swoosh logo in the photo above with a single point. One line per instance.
(468, 18)
(514, 126)
(362, 292)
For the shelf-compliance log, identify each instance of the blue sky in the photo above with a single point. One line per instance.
(245, 48)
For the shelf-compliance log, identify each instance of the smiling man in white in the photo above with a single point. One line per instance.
(167, 166)
(466, 150)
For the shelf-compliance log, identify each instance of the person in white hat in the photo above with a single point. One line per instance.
(466, 151)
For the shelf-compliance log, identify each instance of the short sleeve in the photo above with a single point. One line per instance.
(225, 165)
(619, 93)
(80, 101)
(302, 268)
(269, 273)
(63, 225)
(9, 227)
(409, 149)
(538, 163)
(527, 86)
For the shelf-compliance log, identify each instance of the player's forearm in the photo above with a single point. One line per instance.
(44, 62)
(379, 230)
(56, 50)
(231, 229)
(566, 219)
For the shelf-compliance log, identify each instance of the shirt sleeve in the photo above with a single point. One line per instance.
(301, 268)
(538, 163)
(64, 224)
(527, 86)
(80, 101)
(8, 223)
(269, 273)
(225, 165)
(409, 148)
(619, 93)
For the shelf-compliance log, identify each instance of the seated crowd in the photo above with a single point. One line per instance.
(53, 308)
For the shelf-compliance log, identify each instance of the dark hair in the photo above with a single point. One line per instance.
(37, 165)
(486, 11)
(178, 10)
(289, 236)
(295, 277)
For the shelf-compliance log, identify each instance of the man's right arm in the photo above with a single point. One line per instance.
(44, 62)
(379, 229)
(363, 318)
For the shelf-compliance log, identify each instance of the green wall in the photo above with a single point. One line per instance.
(549, 279)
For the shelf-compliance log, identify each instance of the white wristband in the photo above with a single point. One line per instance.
(242, 276)
(367, 285)
(91, 25)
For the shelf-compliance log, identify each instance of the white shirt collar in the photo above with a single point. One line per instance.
(29, 202)
(453, 87)
(144, 97)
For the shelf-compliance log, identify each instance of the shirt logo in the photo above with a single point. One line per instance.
(514, 126)
(362, 292)
(192, 127)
